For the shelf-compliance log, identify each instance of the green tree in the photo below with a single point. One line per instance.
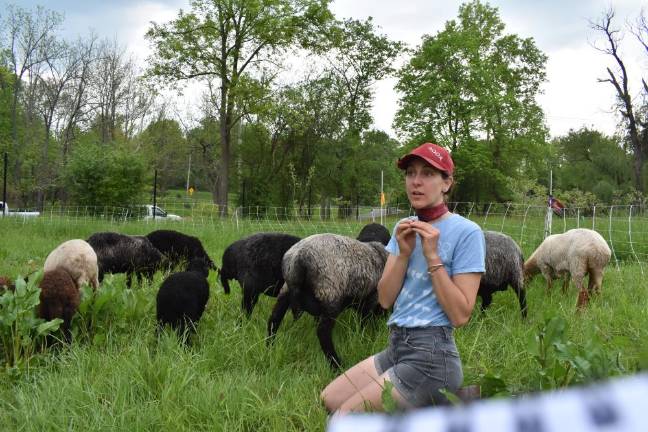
(473, 88)
(226, 39)
(358, 57)
(99, 176)
(167, 148)
(590, 161)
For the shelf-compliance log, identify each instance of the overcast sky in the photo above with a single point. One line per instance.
(572, 96)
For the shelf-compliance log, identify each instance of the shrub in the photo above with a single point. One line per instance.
(20, 330)
(98, 175)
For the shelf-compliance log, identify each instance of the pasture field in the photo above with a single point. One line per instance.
(118, 375)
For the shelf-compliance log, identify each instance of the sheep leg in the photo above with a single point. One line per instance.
(583, 295)
(278, 312)
(565, 284)
(487, 299)
(325, 336)
(521, 295)
(129, 278)
(250, 298)
(547, 274)
(595, 281)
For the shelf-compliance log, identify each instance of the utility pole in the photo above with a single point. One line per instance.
(188, 173)
(549, 215)
(154, 194)
(382, 197)
(4, 186)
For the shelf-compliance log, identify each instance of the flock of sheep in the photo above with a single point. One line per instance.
(322, 274)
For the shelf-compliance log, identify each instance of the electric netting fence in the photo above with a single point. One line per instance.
(625, 228)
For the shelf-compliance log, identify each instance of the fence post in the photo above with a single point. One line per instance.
(523, 224)
(508, 206)
(630, 240)
(486, 215)
(616, 261)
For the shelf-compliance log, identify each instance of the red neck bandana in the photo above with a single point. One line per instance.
(432, 213)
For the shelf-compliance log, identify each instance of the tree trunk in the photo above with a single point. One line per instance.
(222, 186)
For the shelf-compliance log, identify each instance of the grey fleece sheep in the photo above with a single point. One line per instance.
(182, 297)
(120, 253)
(59, 298)
(374, 232)
(255, 262)
(576, 252)
(504, 267)
(326, 273)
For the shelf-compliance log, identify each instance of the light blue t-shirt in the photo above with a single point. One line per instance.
(462, 249)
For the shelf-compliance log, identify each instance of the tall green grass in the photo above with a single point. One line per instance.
(229, 379)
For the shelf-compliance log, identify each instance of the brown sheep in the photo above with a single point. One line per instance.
(59, 298)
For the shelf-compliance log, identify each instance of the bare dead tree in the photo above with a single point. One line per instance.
(29, 36)
(632, 109)
(75, 107)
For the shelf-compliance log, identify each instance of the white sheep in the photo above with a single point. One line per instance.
(77, 258)
(576, 252)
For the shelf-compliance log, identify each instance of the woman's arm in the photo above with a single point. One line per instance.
(457, 295)
(391, 281)
(393, 275)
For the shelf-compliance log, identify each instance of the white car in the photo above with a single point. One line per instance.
(159, 213)
(4, 210)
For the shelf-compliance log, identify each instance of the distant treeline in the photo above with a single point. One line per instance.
(82, 124)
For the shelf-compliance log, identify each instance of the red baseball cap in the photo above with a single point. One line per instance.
(433, 154)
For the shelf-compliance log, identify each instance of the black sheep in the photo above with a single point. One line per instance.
(255, 262)
(121, 253)
(59, 298)
(504, 267)
(374, 232)
(178, 247)
(182, 297)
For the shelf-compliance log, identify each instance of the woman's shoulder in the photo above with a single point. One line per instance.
(463, 223)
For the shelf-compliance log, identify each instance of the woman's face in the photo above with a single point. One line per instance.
(425, 185)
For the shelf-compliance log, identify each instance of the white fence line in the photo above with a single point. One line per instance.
(625, 228)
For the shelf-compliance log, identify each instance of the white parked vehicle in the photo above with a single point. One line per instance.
(4, 210)
(159, 213)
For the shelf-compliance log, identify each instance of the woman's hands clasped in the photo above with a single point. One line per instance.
(406, 237)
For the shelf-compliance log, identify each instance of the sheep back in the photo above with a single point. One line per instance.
(59, 297)
(374, 232)
(182, 298)
(178, 247)
(77, 258)
(120, 253)
(578, 248)
(504, 262)
(335, 269)
(257, 259)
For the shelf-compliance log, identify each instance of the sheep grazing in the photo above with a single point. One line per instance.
(182, 297)
(77, 258)
(59, 298)
(120, 253)
(374, 232)
(326, 273)
(504, 267)
(576, 252)
(255, 262)
(178, 247)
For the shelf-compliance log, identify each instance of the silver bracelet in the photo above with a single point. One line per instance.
(433, 268)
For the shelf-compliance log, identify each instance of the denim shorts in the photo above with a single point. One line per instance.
(421, 361)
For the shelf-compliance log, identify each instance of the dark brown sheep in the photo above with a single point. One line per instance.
(59, 298)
